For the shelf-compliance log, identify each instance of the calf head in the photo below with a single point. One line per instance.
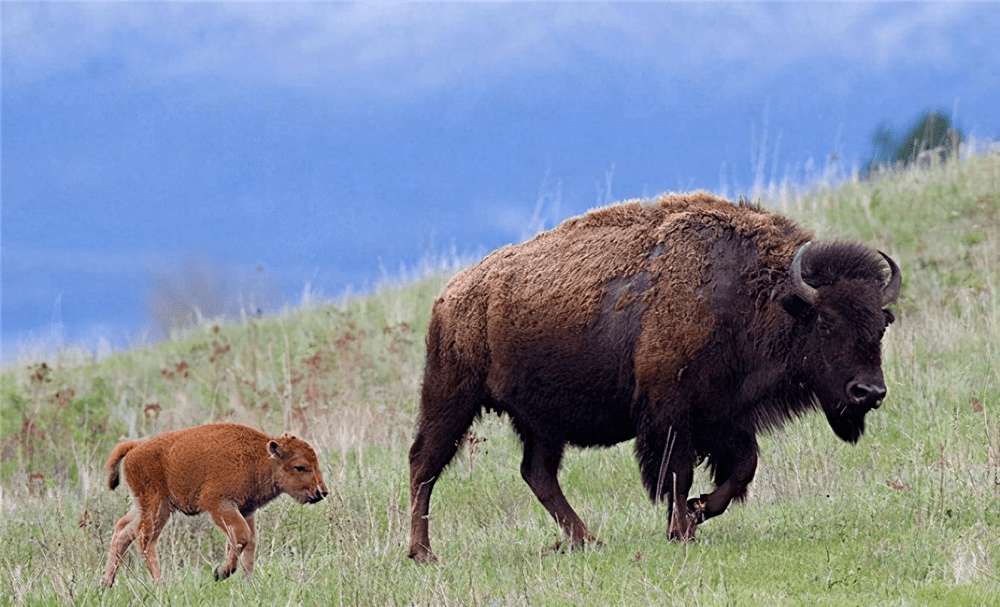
(298, 472)
(840, 305)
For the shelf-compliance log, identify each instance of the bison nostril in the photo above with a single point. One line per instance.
(865, 392)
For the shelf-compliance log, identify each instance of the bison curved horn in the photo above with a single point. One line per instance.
(891, 291)
(799, 286)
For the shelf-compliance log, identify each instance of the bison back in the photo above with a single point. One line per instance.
(200, 465)
(570, 331)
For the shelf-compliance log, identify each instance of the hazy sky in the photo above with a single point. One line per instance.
(323, 143)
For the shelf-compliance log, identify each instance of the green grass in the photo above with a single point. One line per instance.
(909, 516)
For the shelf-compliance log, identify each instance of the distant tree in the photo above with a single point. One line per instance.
(179, 298)
(932, 137)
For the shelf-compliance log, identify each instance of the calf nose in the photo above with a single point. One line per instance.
(868, 394)
(321, 492)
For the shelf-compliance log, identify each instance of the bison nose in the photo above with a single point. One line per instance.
(868, 394)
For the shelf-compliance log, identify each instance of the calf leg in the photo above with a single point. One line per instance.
(228, 518)
(154, 515)
(248, 551)
(540, 468)
(438, 435)
(124, 534)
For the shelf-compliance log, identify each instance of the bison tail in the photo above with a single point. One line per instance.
(117, 454)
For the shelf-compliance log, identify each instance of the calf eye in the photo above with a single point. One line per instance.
(301, 469)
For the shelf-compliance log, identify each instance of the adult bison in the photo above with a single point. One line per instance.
(690, 324)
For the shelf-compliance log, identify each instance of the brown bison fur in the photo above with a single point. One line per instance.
(227, 470)
(690, 323)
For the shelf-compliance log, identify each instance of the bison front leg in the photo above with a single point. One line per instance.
(540, 468)
(681, 520)
(733, 472)
(238, 536)
(666, 461)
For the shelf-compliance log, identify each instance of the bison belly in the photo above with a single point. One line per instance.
(577, 390)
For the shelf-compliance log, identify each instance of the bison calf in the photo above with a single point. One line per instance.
(227, 470)
(689, 324)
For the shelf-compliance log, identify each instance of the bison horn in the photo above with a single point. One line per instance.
(799, 286)
(891, 291)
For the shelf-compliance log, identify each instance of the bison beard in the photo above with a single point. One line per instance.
(690, 324)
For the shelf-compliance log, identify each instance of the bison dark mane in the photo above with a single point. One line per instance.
(829, 263)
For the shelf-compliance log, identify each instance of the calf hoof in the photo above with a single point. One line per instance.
(221, 573)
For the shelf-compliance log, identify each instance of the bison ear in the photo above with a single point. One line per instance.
(801, 297)
(274, 448)
(889, 317)
(798, 307)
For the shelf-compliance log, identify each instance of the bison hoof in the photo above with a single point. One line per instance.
(682, 528)
(697, 506)
(221, 573)
(564, 546)
(423, 556)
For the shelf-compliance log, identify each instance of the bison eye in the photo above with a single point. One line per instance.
(301, 469)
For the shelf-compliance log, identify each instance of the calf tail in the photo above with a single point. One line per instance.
(117, 454)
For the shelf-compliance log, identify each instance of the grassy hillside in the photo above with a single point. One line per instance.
(911, 515)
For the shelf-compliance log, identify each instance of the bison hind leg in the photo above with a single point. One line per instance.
(150, 518)
(123, 536)
(442, 425)
(540, 469)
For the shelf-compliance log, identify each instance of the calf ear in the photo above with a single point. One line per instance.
(274, 448)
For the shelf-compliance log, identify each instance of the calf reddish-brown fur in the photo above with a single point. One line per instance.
(227, 470)
(689, 323)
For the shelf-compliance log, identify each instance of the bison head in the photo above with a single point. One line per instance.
(840, 302)
(297, 472)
